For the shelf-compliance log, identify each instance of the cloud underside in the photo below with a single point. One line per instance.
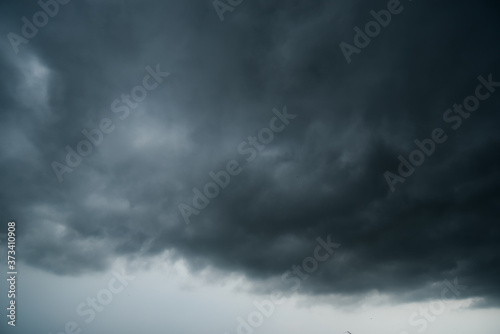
(322, 175)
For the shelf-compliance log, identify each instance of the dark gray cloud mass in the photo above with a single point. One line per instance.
(323, 175)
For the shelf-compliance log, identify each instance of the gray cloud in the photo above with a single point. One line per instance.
(323, 175)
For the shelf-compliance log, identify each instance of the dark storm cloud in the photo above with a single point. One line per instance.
(321, 176)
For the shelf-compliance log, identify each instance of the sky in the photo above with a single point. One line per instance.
(237, 166)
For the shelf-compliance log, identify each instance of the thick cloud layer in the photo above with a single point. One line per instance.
(322, 175)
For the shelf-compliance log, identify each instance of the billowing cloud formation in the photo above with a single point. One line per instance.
(322, 175)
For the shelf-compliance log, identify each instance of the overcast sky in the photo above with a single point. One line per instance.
(117, 117)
